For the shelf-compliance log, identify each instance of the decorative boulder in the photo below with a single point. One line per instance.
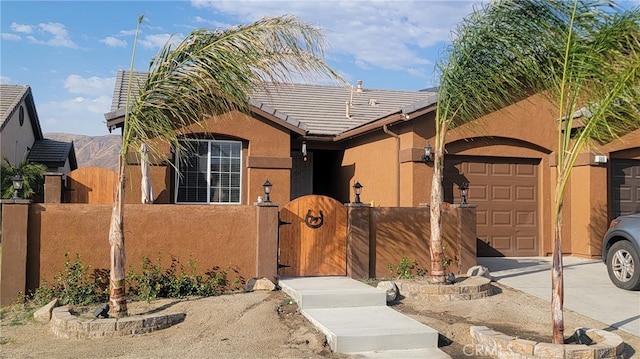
(43, 315)
(391, 288)
(479, 271)
(259, 284)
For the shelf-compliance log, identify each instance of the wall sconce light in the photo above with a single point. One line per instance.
(304, 151)
(357, 188)
(464, 192)
(17, 185)
(428, 153)
(267, 190)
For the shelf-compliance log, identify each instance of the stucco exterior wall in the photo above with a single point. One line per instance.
(14, 139)
(267, 156)
(398, 232)
(213, 235)
(374, 166)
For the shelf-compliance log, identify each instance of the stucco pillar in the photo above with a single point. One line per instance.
(52, 187)
(267, 241)
(467, 239)
(359, 249)
(13, 274)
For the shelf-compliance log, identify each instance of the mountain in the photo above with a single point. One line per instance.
(92, 151)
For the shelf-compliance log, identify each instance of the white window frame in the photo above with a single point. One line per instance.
(209, 142)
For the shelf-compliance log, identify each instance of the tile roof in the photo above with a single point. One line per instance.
(120, 91)
(331, 110)
(10, 97)
(316, 109)
(52, 153)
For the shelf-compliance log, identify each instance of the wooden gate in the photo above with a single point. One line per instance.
(91, 185)
(313, 237)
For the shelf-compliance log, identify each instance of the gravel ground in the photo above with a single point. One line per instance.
(266, 325)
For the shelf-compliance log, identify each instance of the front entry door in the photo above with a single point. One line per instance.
(313, 242)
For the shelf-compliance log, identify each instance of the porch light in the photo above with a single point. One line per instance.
(464, 191)
(304, 151)
(17, 185)
(357, 188)
(267, 190)
(428, 153)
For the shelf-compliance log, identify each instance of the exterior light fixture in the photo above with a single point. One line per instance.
(267, 190)
(464, 192)
(304, 151)
(428, 153)
(17, 185)
(357, 188)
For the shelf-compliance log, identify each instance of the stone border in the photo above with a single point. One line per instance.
(491, 343)
(465, 288)
(66, 325)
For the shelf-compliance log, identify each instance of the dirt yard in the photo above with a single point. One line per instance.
(267, 325)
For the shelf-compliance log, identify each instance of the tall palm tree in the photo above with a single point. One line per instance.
(209, 73)
(583, 56)
(481, 72)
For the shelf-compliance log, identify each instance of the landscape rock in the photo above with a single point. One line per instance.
(43, 315)
(390, 287)
(479, 271)
(259, 284)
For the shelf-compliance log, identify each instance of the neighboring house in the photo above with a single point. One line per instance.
(310, 139)
(21, 135)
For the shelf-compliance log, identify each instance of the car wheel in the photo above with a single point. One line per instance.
(623, 266)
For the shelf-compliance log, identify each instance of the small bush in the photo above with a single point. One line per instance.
(78, 285)
(180, 282)
(405, 269)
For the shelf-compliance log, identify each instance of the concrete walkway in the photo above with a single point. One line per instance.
(587, 287)
(355, 319)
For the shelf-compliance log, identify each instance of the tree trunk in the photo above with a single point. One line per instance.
(436, 250)
(557, 281)
(117, 299)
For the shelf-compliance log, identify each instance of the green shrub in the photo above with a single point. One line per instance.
(405, 269)
(180, 282)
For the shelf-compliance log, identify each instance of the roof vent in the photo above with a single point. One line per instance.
(346, 110)
(373, 102)
(359, 86)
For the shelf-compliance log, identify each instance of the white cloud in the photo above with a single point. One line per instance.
(113, 42)
(27, 29)
(9, 37)
(385, 34)
(82, 115)
(92, 86)
(57, 35)
(5, 80)
(127, 32)
(159, 40)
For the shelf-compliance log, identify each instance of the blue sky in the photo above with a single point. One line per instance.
(69, 52)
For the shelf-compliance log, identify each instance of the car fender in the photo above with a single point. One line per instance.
(614, 234)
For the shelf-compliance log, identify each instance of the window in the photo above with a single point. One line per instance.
(210, 172)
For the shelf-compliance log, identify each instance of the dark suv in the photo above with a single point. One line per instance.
(621, 251)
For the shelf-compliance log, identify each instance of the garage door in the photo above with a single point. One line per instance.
(506, 193)
(625, 187)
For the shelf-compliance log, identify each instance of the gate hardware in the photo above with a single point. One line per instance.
(282, 223)
(314, 222)
(283, 266)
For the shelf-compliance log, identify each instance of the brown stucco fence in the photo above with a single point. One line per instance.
(245, 237)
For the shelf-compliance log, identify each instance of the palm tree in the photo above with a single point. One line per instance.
(492, 49)
(583, 56)
(209, 73)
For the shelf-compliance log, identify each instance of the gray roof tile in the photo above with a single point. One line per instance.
(11, 96)
(52, 153)
(317, 109)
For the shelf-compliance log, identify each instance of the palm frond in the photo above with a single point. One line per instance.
(213, 72)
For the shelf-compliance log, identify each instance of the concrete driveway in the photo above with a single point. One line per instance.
(587, 288)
